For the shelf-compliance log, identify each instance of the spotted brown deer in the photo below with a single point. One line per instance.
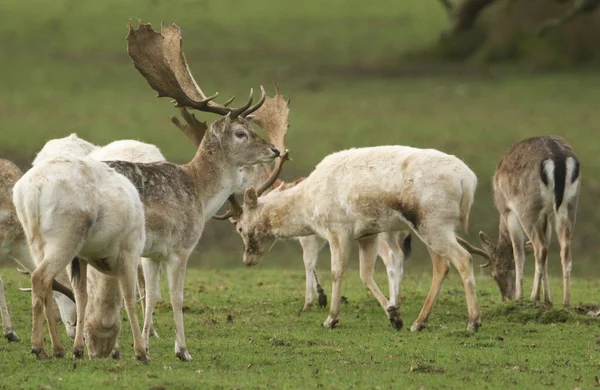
(536, 189)
(358, 193)
(179, 199)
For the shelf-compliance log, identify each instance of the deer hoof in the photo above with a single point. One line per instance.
(473, 326)
(78, 353)
(144, 358)
(184, 355)
(330, 323)
(395, 318)
(418, 326)
(39, 353)
(11, 336)
(116, 354)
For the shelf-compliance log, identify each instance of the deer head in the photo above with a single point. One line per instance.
(160, 59)
(500, 260)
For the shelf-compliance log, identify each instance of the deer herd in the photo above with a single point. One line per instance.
(94, 225)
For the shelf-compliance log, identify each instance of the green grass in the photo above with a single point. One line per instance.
(268, 345)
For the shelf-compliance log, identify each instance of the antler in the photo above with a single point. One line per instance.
(159, 58)
(475, 250)
(194, 129)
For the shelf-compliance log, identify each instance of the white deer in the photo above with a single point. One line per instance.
(79, 211)
(179, 199)
(536, 189)
(273, 117)
(358, 193)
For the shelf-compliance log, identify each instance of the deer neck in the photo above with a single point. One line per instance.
(283, 213)
(215, 176)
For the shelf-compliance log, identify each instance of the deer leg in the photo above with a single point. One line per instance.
(462, 260)
(151, 275)
(540, 251)
(393, 257)
(368, 255)
(311, 245)
(440, 270)
(564, 231)
(517, 238)
(79, 283)
(54, 261)
(127, 283)
(141, 283)
(176, 275)
(339, 245)
(7, 326)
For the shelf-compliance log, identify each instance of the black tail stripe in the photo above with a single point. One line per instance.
(560, 177)
(575, 175)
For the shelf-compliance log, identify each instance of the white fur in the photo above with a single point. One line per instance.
(70, 207)
(356, 194)
(128, 150)
(70, 145)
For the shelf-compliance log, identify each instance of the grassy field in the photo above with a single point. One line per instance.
(344, 63)
(268, 345)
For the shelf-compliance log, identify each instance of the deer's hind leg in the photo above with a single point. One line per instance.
(54, 259)
(368, 255)
(127, 283)
(564, 231)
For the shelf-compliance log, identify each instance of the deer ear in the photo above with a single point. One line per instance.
(249, 118)
(250, 197)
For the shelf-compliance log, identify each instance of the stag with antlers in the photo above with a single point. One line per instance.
(179, 199)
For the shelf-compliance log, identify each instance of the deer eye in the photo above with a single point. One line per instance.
(240, 134)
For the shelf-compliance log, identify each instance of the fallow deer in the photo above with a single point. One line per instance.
(273, 117)
(79, 211)
(179, 199)
(356, 194)
(536, 189)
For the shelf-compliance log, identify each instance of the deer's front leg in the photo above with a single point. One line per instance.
(339, 244)
(176, 274)
(311, 245)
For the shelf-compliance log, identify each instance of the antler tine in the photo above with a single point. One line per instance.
(263, 97)
(276, 171)
(472, 249)
(160, 59)
(235, 210)
(239, 111)
(194, 129)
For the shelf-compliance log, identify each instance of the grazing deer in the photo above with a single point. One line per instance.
(536, 189)
(355, 195)
(179, 199)
(79, 211)
(272, 117)
(13, 245)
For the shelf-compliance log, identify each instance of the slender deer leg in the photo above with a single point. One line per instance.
(127, 282)
(79, 283)
(367, 249)
(141, 284)
(339, 245)
(440, 270)
(462, 260)
(310, 255)
(152, 293)
(540, 250)
(176, 274)
(393, 258)
(564, 228)
(7, 326)
(517, 238)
